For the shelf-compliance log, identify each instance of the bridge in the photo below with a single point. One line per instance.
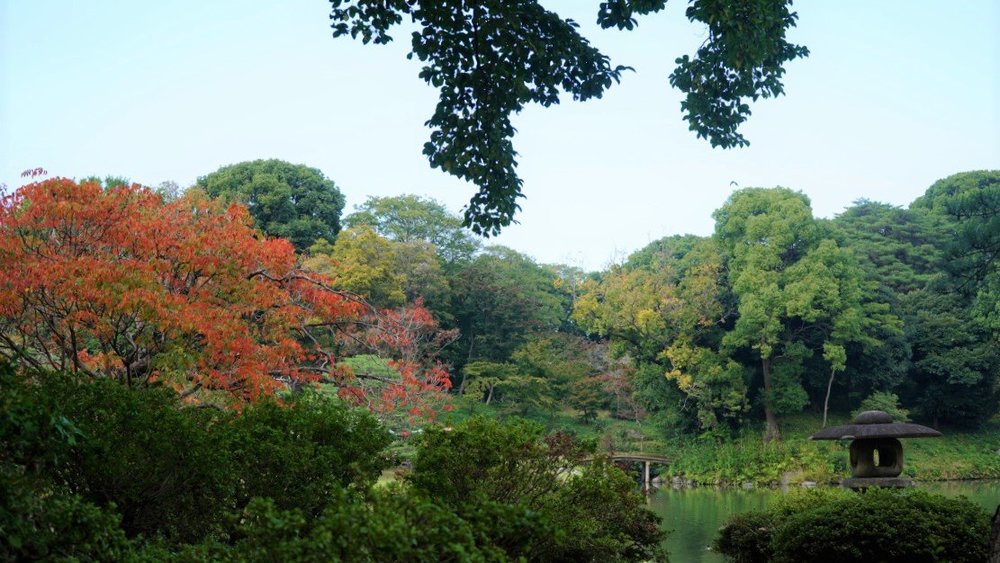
(645, 459)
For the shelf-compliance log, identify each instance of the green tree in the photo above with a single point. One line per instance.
(828, 290)
(500, 298)
(797, 293)
(411, 218)
(512, 390)
(955, 362)
(971, 202)
(666, 309)
(362, 263)
(385, 272)
(560, 359)
(484, 378)
(490, 58)
(932, 264)
(291, 201)
(423, 277)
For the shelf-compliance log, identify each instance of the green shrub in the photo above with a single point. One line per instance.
(388, 526)
(39, 524)
(884, 401)
(596, 515)
(885, 525)
(603, 516)
(161, 464)
(909, 526)
(504, 462)
(176, 472)
(746, 538)
(300, 452)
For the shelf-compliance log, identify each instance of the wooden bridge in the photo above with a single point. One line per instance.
(635, 457)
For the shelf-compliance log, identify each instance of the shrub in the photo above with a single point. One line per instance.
(389, 526)
(884, 401)
(885, 525)
(160, 463)
(177, 472)
(746, 538)
(604, 517)
(300, 452)
(909, 526)
(596, 515)
(504, 462)
(36, 524)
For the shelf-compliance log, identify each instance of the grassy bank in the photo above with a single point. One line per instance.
(959, 454)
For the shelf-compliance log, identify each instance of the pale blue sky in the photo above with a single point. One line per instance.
(895, 95)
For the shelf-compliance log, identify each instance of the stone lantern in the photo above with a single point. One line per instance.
(876, 452)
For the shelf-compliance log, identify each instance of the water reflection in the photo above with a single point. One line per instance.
(695, 515)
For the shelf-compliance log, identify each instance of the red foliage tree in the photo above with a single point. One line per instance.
(411, 337)
(117, 283)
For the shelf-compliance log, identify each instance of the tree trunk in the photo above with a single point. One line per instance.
(826, 402)
(489, 397)
(773, 432)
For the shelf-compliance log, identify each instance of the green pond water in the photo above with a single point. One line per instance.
(695, 515)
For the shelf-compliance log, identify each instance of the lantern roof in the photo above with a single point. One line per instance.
(875, 424)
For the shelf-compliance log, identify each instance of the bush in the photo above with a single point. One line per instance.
(604, 517)
(746, 538)
(41, 525)
(909, 526)
(886, 402)
(504, 462)
(177, 472)
(93, 470)
(596, 515)
(885, 525)
(300, 452)
(161, 464)
(388, 526)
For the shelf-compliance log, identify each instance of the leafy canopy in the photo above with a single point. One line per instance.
(291, 201)
(116, 283)
(490, 58)
(411, 218)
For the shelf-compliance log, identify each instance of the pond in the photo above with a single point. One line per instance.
(696, 514)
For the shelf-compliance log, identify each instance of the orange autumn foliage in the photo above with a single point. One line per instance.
(118, 283)
(411, 337)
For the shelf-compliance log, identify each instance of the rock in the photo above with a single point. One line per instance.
(808, 484)
(747, 485)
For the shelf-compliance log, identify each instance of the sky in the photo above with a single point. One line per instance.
(895, 95)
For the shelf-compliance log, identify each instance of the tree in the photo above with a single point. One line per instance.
(665, 310)
(362, 263)
(291, 201)
(559, 359)
(971, 203)
(411, 218)
(490, 58)
(387, 273)
(409, 342)
(499, 299)
(484, 377)
(828, 289)
(116, 283)
(932, 263)
(797, 293)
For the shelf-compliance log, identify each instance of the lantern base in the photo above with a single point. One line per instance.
(883, 482)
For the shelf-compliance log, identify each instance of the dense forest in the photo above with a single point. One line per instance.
(397, 307)
(774, 313)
